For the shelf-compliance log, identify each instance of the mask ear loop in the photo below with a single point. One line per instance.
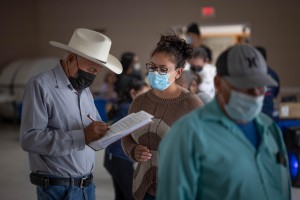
(171, 75)
(76, 66)
(69, 68)
(221, 94)
(69, 75)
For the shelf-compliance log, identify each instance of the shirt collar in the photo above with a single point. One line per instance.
(61, 77)
(213, 111)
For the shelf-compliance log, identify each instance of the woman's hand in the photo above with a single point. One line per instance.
(142, 153)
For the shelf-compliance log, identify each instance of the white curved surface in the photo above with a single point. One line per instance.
(17, 74)
(29, 69)
(9, 72)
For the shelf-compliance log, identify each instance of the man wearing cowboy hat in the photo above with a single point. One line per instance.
(59, 118)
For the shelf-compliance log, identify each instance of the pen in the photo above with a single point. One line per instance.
(90, 117)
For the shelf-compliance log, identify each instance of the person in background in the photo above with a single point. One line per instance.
(131, 66)
(107, 88)
(116, 162)
(107, 96)
(271, 91)
(194, 85)
(228, 149)
(189, 80)
(167, 102)
(56, 127)
(194, 38)
(198, 64)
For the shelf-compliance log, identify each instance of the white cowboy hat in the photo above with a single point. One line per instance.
(93, 46)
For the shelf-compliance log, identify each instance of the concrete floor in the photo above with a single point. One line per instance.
(15, 184)
(14, 181)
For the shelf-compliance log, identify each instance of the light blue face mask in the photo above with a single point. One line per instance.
(158, 81)
(242, 107)
(189, 40)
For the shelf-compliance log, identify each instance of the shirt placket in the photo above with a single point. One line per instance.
(259, 159)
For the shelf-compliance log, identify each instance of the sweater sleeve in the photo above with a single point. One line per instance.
(128, 145)
(191, 103)
(196, 101)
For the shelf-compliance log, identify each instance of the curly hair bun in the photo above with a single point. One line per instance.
(176, 46)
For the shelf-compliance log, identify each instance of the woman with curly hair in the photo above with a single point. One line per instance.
(166, 101)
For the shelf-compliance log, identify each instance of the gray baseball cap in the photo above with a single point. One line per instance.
(244, 67)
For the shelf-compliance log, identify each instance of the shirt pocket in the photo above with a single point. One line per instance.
(277, 178)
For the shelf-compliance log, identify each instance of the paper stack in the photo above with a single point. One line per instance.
(122, 128)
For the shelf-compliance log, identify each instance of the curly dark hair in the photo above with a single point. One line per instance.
(126, 60)
(175, 47)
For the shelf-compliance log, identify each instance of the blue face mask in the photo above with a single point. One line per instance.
(189, 40)
(158, 81)
(242, 107)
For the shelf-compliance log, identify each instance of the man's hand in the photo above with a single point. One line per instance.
(142, 153)
(95, 131)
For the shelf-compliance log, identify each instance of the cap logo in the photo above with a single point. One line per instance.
(243, 67)
(251, 62)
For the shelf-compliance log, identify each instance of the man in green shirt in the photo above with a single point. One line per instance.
(227, 150)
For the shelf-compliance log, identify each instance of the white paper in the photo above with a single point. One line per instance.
(122, 128)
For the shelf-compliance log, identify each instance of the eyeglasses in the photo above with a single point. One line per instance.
(152, 68)
(196, 66)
